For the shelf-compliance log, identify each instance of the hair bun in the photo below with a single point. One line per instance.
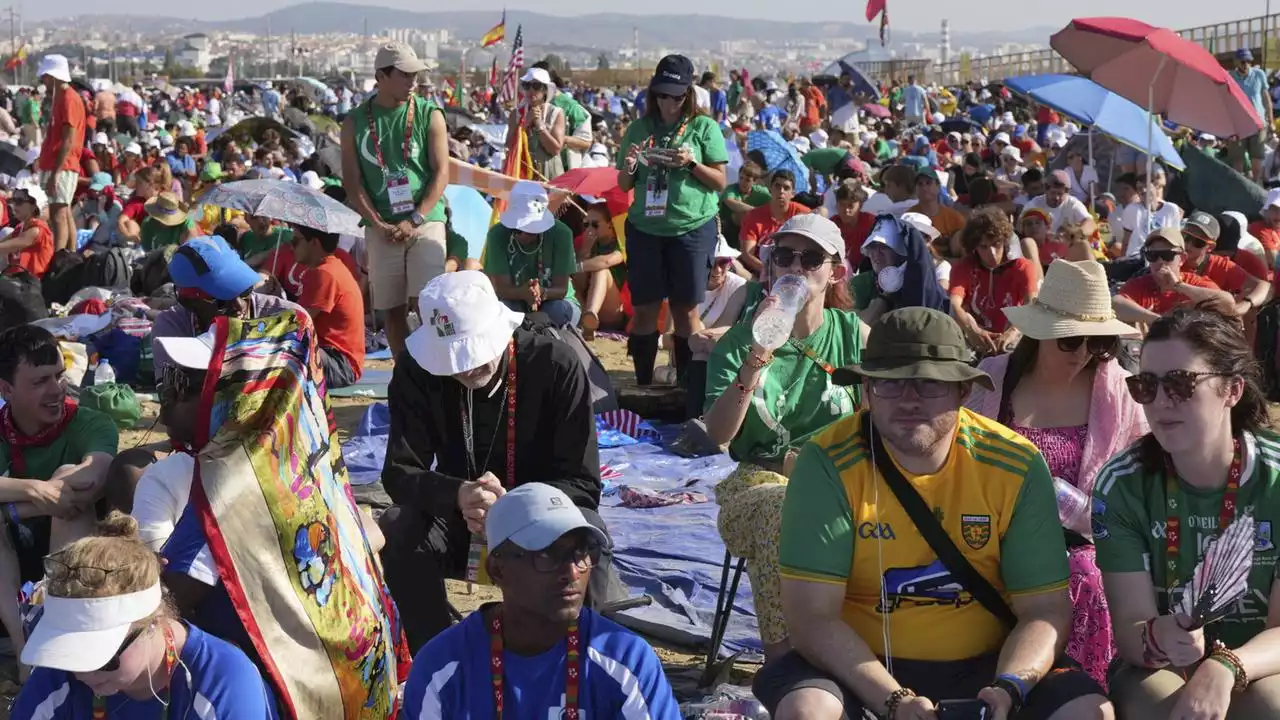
(117, 524)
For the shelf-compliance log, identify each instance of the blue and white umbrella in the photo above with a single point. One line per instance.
(779, 155)
(287, 202)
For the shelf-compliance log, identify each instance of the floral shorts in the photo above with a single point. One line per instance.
(750, 524)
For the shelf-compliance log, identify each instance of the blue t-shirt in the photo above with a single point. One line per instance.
(913, 101)
(770, 117)
(186, 552)
(719, 103)
(182, 166)
(1254, 84)
(621, 677)
(219, 683)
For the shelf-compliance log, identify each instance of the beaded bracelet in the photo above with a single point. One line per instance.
(757, 362)
(895, 699)
(1222, 654)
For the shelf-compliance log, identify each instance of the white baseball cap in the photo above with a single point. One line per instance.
(312, 180)
(921, 222)
(101, 139)
(533, 516)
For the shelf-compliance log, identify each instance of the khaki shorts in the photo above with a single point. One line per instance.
(399, 270)
(65, 189)
(1255, 145)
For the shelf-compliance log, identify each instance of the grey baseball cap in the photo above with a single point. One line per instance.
(533, 516)
(816, 228)
(1202, 225)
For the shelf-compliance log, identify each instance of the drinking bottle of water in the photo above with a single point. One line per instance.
(1074, 507)
(104, 373)
(773, 325)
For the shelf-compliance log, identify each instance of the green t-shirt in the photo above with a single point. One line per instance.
(253, 244)
(504, 256)
(29, 112)
(156, 234)
(755, 293)
(455, 245)
(824, 160)
(618, 271)
(574, 115)
(690, 204)
(1130, 516)
(795, 396)
(390, 125)
(90, 432)
(863, 288)
(758, 195)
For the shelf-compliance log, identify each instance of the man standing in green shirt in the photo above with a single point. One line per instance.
(28, 110)
(530, 259)
(54, 458)
(395, 155)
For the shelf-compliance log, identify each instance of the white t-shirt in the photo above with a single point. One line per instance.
(1141, 222)
(702, 97)
(1070, 211)
(161, 496)
(1080, 186)
(714, 303)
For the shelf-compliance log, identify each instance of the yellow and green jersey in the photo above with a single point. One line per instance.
(841, 524)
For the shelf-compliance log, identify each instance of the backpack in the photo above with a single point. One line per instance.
(64, 277)
(603, 395)
(153, 272)
(108, 269)
(21, 301)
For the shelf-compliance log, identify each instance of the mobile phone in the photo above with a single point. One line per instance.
(963, 710)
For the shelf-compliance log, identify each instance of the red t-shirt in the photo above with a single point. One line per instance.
(1269, 238)
(1144, 291)
(68, 108)
(758, 224)
(1225, 274)
(135, 208)
(985, 293)
(854, 235)
(331, 295)
(1252, 264)
(36, 257)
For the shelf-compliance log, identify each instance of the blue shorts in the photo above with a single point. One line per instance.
(670, 268)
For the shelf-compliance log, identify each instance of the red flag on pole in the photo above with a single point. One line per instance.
(874, 8)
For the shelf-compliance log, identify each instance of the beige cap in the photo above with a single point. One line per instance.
(399, 56)
(1171, 235)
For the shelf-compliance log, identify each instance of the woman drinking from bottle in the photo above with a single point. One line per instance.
(674, 157)
(1208, 461)
(765, 402)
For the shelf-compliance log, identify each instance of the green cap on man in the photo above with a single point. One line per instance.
(915, 343)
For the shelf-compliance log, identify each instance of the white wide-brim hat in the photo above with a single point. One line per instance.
(1074, 300)
(81, 635)
(464, 324)
(528, 209)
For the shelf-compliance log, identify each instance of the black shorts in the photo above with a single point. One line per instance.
(671, 268)
(934, 679)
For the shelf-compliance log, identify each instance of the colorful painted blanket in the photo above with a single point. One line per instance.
(276, 506)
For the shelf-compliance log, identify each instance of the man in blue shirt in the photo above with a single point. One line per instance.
(719, 102)
(539, 652)
(1253, 82)
(914, 103)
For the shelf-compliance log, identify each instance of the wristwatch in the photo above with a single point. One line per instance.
(417, 218)
(691, 165)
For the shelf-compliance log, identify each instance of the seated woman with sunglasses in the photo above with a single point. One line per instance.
(1209, 458)
(602, 273)
(1145, 298)
(765, 404)
(987, 280)
(108, 644)
(1062, 389)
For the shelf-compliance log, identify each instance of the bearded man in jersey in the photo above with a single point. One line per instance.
(881, 621)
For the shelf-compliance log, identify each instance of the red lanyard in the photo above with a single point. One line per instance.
(572, 675)
(669, 140)
(468, 437)
(1173, 530)
(408, 132)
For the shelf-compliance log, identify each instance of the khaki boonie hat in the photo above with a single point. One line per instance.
(399, 56)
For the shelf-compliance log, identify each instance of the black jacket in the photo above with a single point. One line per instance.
(555, 429)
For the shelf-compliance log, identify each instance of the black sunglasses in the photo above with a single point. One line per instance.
(1161, 255)
(1099, 346)
(666, 96)
(812, 259)
(114, 663)
(1179, 385)
(531, 85)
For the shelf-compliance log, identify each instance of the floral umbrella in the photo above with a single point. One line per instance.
(287, 202)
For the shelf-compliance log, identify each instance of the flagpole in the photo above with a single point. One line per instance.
(13, 40)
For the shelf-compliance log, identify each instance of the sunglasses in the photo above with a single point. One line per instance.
(1099, 346)
(665, 96)
(531, 85)
(114, 663)
(1161, 255)
(893, 389)
(1179, 385)
(1195, 240)
(812, 259)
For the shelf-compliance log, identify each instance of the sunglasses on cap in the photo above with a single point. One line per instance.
(1166, 255)
(1179, 385)
(1099, 346)
(810, 259)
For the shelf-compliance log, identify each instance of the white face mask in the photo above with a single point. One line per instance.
(891, 278)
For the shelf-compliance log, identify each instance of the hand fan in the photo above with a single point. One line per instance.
(1222, 577)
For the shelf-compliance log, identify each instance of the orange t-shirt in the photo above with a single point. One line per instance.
(1224, 273)
(1269, 238)
(36, 258)
(1252, 264)
(985, 293)
(947, 222)
(289, 271)
(68, 109)
(333, 298)
(1144, 291)
(758, 224)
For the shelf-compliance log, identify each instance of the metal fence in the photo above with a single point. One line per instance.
(1260, 34)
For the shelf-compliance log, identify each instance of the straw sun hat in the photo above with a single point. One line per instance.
(1074, 300)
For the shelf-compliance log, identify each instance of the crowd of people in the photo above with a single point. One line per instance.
(1017, 402)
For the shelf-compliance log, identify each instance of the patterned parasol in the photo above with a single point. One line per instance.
(287, 202)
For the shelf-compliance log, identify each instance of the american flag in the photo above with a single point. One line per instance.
(511, 82)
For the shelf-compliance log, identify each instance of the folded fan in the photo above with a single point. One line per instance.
(1222, 577)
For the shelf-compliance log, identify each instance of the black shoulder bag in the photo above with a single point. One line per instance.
(931, 530)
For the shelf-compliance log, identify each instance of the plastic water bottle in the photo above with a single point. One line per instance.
(104, 373)
(1074, 507)
(773, 325)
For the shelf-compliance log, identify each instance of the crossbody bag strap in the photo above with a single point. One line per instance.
(931, 530)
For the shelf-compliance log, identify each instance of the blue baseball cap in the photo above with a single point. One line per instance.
(1244, 54)
(211, 266)
(100, 181)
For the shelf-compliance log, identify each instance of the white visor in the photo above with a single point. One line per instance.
(82, 634)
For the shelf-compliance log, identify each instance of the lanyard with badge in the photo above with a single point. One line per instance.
(655, 191)
(399, 193)
(1173, 527)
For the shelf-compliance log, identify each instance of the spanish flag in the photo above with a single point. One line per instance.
(16, 59)
(497, 33)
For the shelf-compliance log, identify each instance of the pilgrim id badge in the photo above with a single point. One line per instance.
(655, 195)
(399, 194)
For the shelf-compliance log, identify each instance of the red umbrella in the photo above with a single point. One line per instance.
(588, 181)
(1159, 70)
(874, 110)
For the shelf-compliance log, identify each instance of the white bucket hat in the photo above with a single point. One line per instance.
(464, 324)
(56, 67)
(82, 634)
(528, 209)
(1074, 300)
